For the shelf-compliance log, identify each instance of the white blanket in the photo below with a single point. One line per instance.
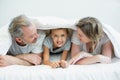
(73, 72)
(114, 37)
(46, 23)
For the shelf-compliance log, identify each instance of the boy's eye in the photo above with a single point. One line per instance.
(55, 35)
(63, 35)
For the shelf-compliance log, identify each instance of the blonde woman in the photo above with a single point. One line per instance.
(90, 44)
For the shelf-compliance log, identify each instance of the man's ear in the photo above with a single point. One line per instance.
(19, 40)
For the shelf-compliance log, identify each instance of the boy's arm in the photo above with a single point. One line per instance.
(64, 55)
(46, 56)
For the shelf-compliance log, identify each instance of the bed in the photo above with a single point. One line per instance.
(44, 72)
(73, 72)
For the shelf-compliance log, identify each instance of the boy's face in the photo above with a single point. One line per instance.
(59, 37)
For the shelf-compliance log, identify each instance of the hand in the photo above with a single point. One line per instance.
(6, 60)
(104, 59)
(32, 58)
(55, 64)
(79, 56)
(64, 64)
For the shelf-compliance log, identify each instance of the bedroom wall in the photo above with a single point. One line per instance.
(108, 11)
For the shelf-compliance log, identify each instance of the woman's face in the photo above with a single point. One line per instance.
(82, 36)
(59, 37)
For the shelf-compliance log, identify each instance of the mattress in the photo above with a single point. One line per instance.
(73, 72)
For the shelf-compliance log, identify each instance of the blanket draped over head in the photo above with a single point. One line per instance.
(46, 23)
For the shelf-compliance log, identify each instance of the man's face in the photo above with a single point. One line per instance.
(30, 34)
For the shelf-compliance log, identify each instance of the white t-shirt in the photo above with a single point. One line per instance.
(82, 45)
(29, 48)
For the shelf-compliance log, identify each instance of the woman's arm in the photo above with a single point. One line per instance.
(94, 59)
(88, 60)
(107, 52)
(80, 56)
(107, 49)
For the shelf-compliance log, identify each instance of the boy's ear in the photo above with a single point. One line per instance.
(51, 36)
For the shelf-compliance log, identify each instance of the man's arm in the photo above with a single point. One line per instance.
(32, 58)
(6, 60)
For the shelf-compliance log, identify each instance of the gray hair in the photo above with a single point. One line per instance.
(15, 27)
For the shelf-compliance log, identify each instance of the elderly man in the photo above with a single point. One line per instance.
(26, 48)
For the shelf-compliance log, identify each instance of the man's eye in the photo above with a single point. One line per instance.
(31, 36)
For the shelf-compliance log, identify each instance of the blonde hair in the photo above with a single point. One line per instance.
(91, 27)
(16, 24)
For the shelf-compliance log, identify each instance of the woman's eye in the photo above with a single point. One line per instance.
(80, 35)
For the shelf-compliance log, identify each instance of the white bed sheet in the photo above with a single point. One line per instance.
(43, 72)
(73, 72)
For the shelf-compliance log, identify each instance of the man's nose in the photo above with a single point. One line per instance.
(36, 35)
